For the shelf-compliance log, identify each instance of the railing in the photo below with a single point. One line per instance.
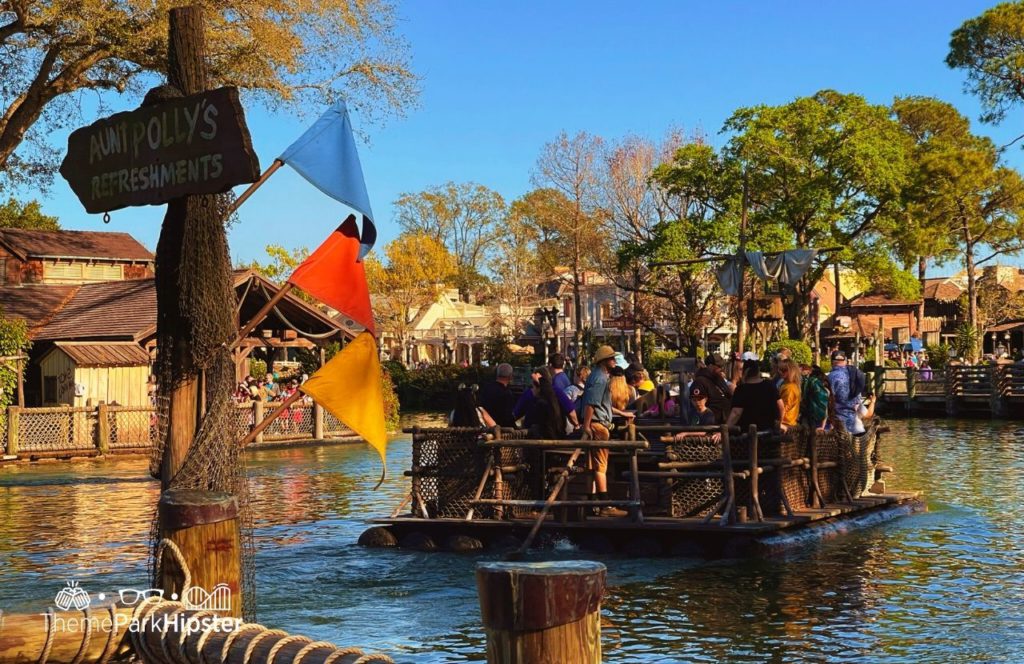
(973, 388)
(912, 382)
(67, 431)
(966, 381)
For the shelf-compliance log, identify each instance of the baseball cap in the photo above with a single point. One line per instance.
(750, 355)
(838, 355)
(714, 360)
(696, 392)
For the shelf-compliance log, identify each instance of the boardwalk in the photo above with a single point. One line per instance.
(995, 390)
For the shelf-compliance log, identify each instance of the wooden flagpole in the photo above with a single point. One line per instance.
(254, 186)
(259, 428)
(260, 315)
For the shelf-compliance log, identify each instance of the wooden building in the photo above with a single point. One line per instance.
(80, 373)
(70, 257)
(89, 301)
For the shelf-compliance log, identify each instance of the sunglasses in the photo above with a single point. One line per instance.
(130, 596)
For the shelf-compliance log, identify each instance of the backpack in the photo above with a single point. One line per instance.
(858, 381)
(813, 402)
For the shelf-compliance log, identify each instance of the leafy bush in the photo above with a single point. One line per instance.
(965, 342)
(390, 400)
(433, 388)
(658, 360)
(257, 369)
(13, 341)
(938, 356)
(825, 364)
(800, 351)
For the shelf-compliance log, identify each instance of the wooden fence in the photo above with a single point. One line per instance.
(995, 389)
(67, 431)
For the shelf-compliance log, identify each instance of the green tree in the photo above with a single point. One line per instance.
(569, 212)
(990, 49)
(14, 214)
(920, 233)
(282, 262)
(299, 53)
(823, 171)
(467, 218)
(412, 278)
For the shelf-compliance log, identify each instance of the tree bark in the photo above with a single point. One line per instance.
(922, 266)
(972, 296)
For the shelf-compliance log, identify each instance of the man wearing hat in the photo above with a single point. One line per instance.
(847, 385)
(710, 380)
(597, 421)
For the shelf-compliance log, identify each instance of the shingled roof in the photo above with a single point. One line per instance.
(941, 289)
(36, 304)
(110, 310)
(73, 244)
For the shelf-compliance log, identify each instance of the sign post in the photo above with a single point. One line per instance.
(197, 144)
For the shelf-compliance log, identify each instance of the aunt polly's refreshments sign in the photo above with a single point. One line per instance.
(198, 144)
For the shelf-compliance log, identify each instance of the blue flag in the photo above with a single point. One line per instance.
(326, 155)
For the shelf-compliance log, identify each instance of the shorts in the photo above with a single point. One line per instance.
(599, 456)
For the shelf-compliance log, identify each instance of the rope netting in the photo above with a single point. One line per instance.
(195, 322)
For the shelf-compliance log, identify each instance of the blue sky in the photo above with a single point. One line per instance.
(500, 79)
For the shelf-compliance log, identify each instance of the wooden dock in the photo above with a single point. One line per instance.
(984, 390)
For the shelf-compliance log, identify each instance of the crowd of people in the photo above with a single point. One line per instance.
(614, 389)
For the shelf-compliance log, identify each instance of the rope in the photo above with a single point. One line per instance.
(315, 645)
(247, 655)
(168, 545)
(285, 641)
(226, 646)
(342, 652)
(183, 635)
(201, 642)
(48, 644)
(374, 657)
(108, 651)
(310, 335)
(86, 637)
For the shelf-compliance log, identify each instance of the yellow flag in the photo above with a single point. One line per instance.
(349, 386)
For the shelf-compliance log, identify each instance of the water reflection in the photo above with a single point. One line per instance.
(938, 587)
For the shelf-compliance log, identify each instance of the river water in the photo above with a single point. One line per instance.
(943, 586)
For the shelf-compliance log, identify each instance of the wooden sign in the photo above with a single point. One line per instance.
(766, 309)
(198, 144)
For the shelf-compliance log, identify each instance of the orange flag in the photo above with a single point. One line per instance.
(334, 275)
(350, 387)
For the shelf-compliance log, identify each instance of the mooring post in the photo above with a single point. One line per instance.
(13, 424)
(103, 428)
(204, 527)
(542, 613)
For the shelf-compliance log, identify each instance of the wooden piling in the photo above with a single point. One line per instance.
(103, 428)
(13, 423)
(542, 613)
(204, 526)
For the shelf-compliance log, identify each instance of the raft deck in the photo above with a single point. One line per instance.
(716, 491)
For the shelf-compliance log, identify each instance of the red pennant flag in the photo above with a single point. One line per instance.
(333, 275)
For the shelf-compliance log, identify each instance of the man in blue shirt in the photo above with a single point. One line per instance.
(847, 384)
(597, 421)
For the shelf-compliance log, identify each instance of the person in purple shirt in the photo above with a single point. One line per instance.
(559, 380)
(525, 403)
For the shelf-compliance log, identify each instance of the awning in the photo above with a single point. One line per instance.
(1012, 326)
(114, 354)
